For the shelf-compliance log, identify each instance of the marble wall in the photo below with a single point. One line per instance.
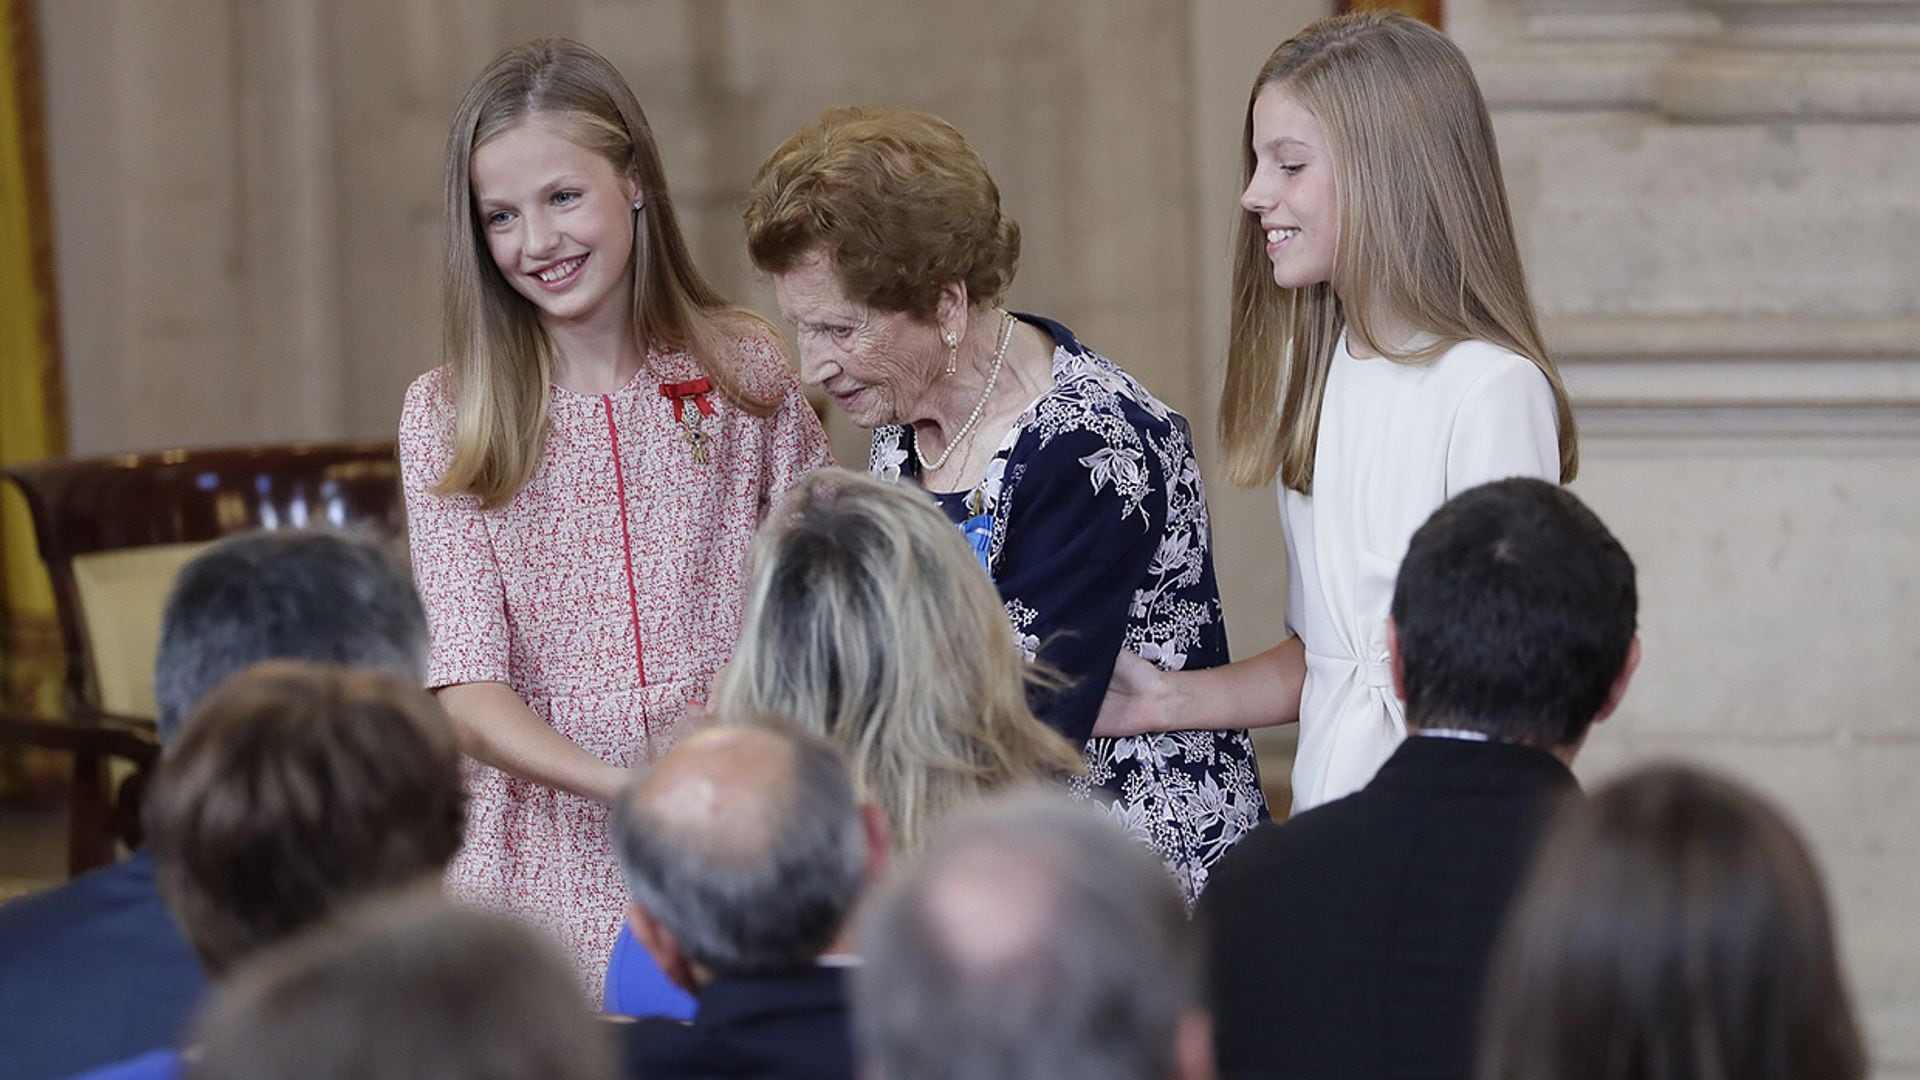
(1723, 233)
(1715, 196)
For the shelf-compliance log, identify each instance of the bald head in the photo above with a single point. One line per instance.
(1033, 939)
(990, 907)
(745, 842)
(725, 787)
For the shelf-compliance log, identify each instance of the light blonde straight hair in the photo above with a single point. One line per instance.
(1425, 233)
(499, 357)
(870, 622)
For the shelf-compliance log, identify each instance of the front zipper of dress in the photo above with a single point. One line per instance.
(626, 540)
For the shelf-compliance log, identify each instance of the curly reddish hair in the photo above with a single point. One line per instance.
(898, 201)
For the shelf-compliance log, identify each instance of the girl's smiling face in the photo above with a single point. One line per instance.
(559, 221)
(1293, 192)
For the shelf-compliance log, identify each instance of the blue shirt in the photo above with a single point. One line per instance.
(637, 987)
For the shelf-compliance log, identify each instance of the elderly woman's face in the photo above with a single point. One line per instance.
(876, 365)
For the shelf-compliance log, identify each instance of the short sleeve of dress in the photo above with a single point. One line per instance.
(453, 557)
(796, 443)
(1085, 521)
(1506, 426)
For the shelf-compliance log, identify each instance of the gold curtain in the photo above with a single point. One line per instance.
(32, 422)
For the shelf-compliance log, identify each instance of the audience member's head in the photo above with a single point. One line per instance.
(1674, 927)
(405, 988)
(746, 850)
(1032, 940)
(296, 595)
(869, 621)
(292, 789)
(1514, 616)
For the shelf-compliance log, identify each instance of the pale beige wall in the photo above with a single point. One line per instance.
(1717, 210)
(1715, 200)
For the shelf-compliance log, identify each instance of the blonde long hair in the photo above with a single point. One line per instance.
(1425, 232)
(500, 360)
(869, 622)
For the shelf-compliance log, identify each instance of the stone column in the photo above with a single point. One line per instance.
(288, 256)
(146, 213)
(1721, 224)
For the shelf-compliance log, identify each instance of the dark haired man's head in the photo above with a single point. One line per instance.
(292, 595)
(1514, 616)
(746, 849)
(293, 789)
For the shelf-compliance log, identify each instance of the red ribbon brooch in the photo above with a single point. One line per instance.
(679, 393)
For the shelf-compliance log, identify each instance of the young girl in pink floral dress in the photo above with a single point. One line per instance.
(583, 477)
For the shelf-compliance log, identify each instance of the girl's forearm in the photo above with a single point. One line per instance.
(1260, 691)
(497, 728)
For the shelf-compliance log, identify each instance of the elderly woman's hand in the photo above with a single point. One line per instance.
(1138, 702)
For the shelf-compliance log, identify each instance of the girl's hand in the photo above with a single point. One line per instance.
(1138, 701)
(698, 717)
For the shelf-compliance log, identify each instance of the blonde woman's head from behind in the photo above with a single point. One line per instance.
(869, 621)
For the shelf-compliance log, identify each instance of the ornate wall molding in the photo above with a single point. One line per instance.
(1710, 195)
(1800, 60)
(1709, 337)
(1706, 61)
(1723, 377)
(1565, 55)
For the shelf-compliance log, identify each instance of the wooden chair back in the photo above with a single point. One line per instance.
(114, 531)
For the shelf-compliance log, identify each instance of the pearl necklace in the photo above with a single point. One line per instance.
(999, 355)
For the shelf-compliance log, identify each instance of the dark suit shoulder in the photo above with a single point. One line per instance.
(1304, 843)
(92, 972)
(96, 892)
(1351, 941)
(780, 1027)
(653, 1045)
(111, 914)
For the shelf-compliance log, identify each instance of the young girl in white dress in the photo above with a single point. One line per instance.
(1384, 356)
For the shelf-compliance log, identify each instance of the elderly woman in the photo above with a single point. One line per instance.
(1077, 488)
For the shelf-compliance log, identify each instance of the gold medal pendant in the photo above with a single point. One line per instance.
(690, 420)
(695, 437)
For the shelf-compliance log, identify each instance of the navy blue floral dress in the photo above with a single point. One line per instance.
(1092, 523)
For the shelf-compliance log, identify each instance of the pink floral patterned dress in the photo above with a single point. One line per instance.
(607, 594)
